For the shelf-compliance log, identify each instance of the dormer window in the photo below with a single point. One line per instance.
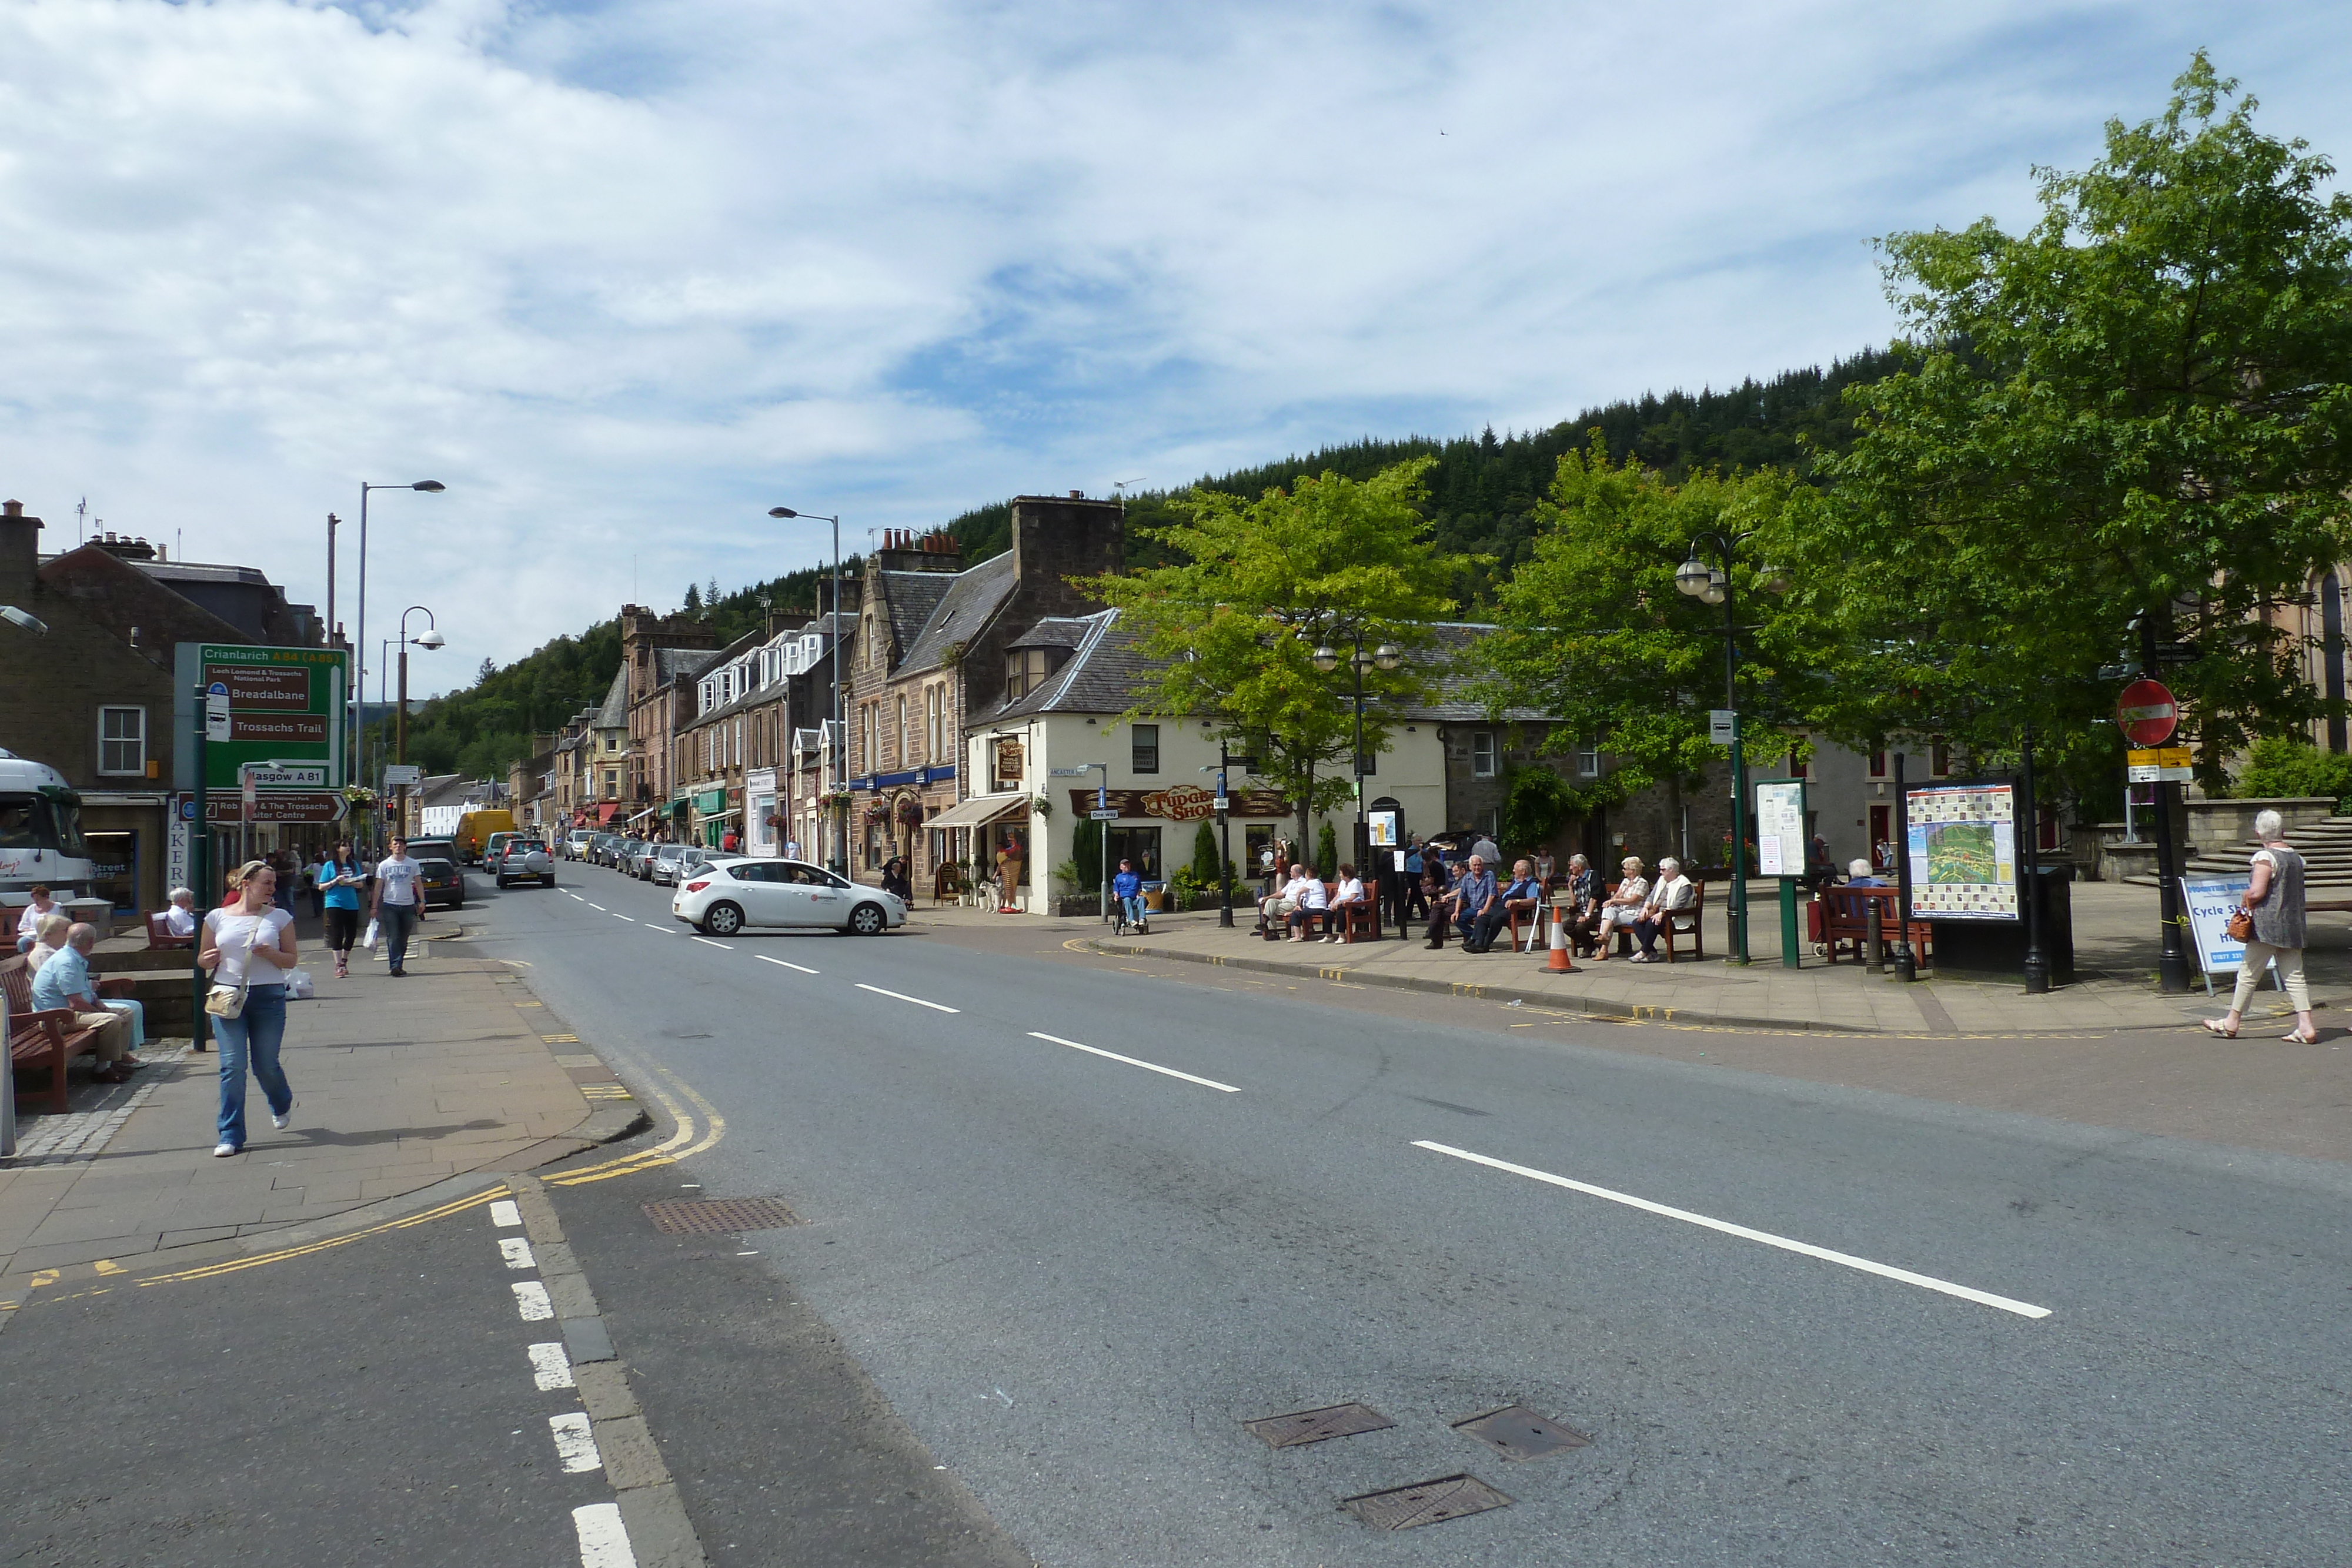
(1025, 670)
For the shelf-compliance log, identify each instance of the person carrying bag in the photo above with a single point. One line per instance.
(2270, 922)
(248, 946)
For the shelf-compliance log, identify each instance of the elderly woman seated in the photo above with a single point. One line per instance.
(48, 938)
(1349, 891)
(1673, 894)
(1621, 907)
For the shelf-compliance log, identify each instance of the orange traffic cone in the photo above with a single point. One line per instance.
(1557, 964)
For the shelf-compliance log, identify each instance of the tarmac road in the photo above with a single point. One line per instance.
(1801, 1324)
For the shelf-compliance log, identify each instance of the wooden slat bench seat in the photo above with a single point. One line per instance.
(48, 1040)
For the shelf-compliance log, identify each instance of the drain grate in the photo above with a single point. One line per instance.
(719, 1217)
(1424, 1502)
(1517, 1432)
(1314, 1426)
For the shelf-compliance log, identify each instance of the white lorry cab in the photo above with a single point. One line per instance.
(41, 833)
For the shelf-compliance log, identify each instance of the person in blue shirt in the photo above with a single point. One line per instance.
(339, 878)
(1477, 905)
(65, 982)
(1127, 888)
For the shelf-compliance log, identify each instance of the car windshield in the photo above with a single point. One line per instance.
(42, 822)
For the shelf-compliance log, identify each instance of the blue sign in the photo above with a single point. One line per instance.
(218, 689)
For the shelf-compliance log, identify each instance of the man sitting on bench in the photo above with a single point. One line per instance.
(65, 982)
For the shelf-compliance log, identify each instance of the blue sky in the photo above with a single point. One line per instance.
(624, 276)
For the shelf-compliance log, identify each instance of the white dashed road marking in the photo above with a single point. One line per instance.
(532, 1301)
(631, 919)
(600, 909)
(708, 943)
(575, 1445)
(604, 1543)
(1805, 1249)
(516, 1251)
(781, 964)
(549, 1366)
(504, 1214)
(901, 996)
(1131, 1061)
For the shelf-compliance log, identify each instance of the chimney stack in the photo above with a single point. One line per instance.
(20, 554)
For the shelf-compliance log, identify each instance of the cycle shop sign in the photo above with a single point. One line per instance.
(285, 721)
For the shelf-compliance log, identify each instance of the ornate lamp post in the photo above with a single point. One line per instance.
(1387, 656)
(1713, 585)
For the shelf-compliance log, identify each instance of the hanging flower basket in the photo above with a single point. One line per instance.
(878, 812)
(910, 810)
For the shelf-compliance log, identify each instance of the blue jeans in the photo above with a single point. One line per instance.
(253, 1037)
(138, 1014)
(399, 920)
(1133, 904)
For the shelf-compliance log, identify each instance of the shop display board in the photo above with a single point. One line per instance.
(1963, 851)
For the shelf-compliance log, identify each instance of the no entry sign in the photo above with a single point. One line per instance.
(2147, 714)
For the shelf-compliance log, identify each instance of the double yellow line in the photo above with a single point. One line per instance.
(689, 1137)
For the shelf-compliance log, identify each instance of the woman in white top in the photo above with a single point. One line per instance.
(1621, 907)
(248, 944)
(1349, 891)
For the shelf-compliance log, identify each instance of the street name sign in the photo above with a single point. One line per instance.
(397, 774)
(2147, 713)
(1103, 814)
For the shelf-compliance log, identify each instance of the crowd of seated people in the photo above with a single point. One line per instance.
(1306, 908)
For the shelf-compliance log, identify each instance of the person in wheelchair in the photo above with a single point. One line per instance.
(1127, 888)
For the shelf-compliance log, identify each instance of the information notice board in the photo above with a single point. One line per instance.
(1780, 827)
(1963, 851)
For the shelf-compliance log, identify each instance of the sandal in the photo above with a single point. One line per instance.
(2298, 1038)
(2214, 1026)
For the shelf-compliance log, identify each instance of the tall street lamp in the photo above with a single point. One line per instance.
(1387, 656)
(429, 638)
(358, 637)
(1713, 585)
(840, 863)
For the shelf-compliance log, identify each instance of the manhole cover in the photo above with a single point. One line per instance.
(1314, 1426)
(1425, 1502)
(1517, 1432)
(718, 1216)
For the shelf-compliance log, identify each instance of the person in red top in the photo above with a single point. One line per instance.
(731, 843)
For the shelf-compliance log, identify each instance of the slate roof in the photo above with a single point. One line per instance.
(669, 664)
(1055, 631)
(971, 598)
(615, 714)
(913, 597)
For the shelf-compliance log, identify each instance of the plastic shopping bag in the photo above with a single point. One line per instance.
(297, 985)
(374, 930)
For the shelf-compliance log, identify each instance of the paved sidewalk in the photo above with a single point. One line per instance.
(2115, 946)
(398, 1084)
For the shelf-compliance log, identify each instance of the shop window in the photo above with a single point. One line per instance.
(1482, 755)
(1140, 845)
(122, 741)
(1143, 748)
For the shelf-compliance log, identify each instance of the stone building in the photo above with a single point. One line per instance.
(660, 657)
(93, 697)
(939, 643)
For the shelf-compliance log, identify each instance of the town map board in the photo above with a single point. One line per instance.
(1963, 851)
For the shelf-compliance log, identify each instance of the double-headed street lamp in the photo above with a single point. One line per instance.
(1387, 656)
(840, 865)
(359, 635)
(429, 639)
(1713, 585)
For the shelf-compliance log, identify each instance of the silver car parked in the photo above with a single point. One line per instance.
(524, 859)
(667, 862)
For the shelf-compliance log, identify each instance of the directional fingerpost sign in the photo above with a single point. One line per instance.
(2147, 714)
(279, 709)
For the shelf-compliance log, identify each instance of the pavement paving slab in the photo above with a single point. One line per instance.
(397, 1086)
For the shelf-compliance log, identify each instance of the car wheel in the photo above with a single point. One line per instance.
(723, 919)
(868, 920)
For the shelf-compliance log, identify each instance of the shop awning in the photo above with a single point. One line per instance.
(641, 816)
(981, 811)
(604, 813)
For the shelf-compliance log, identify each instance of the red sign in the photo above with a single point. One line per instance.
(2147, 714)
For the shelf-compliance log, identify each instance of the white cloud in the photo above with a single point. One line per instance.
(625, 276)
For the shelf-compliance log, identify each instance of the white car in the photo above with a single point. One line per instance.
(733, 893)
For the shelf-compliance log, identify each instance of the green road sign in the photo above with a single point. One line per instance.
(286, 705)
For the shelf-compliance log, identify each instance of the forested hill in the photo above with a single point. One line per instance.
(1482, 495)
(1483, 491)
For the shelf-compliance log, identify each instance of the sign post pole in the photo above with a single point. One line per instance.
(2028, 869)
(200, 843)
(1225, 838)
(1907, 963)
(2148, 716)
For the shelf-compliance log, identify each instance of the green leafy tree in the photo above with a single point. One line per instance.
(1326, 850)
(1593, 633)
(2140, 407)
(1251, 590)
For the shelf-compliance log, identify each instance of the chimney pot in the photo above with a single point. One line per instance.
(1078, 495)
(12, 508)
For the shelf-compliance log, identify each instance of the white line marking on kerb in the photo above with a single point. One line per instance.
(708, 943)
(549, 1366)
(532, 1301)
(1846, 1259)
(1131, 1061)
(504, 1213)
(516, 1251)
(575, 1445)
(782, 965)
(603, 1540)
(901, 996)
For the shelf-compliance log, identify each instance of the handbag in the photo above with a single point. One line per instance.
(225, 1001)
(2241, 925)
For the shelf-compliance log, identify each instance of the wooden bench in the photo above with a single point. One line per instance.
(1843, 920)
(48, 1040)
(159, 933)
